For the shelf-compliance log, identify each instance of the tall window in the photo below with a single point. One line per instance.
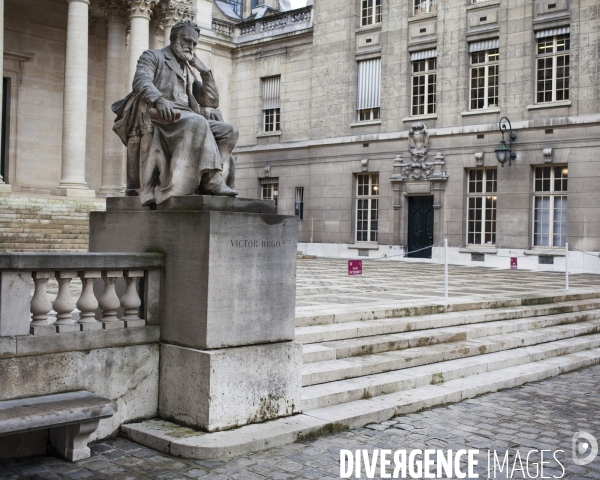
(299, 205)
(367, 207)
(368, 90)
(269, 189)
(552, 66)
(484, 76)
(481, 223)
(271, 110)
(425, 6)
(550, 206)
(370, 12)
(423, 66)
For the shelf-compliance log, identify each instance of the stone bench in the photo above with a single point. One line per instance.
(70, 418)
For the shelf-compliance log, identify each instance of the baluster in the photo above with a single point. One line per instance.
(41, 306)
(109, 301)
(131, 301)
(87, 303)
(64, 303)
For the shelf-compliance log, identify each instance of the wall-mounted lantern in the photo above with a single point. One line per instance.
(504, 153)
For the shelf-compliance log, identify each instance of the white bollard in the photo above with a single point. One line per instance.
(445, 268)
(566, 267)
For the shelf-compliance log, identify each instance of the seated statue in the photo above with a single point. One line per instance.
(177, 142)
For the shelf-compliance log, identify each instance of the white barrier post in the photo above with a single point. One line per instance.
(566, 267)
(445, 268)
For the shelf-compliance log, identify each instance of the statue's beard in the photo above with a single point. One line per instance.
(180, 52)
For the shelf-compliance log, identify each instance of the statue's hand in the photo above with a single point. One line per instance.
(165, 109)
(199, 65)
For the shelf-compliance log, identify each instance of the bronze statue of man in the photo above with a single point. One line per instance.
(176, 138)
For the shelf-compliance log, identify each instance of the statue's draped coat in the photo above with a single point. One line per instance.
(173, 156)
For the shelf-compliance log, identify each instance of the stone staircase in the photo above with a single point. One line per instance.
(395, 361)
(365, 367)
(45, 224)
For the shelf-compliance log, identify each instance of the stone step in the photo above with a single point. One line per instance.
(344, 314)
(44, 216)
(357, 329)
(318, 352)
(42, 247)
(21, 236)
(183, 442)
(333, 370)
(50, 229)
(369, 386)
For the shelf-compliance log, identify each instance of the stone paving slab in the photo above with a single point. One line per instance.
(324, 286)
(542, 415)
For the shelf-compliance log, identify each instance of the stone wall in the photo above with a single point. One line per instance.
(325, 160)
(121, 365)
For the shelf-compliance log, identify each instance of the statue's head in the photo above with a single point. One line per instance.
(184, 38)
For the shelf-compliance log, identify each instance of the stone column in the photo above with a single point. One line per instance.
(114, 89)
(175, 11)
(155, 31)
(3, 187)
(139, 37)
(72, 181)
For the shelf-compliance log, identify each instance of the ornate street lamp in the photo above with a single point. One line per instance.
(504, 153)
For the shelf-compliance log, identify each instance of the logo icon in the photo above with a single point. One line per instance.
(584, 444)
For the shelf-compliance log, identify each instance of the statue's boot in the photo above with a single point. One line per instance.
(223, 190)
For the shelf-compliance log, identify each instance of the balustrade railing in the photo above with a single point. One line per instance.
(223, 28)
(294, 18)
(118, 290)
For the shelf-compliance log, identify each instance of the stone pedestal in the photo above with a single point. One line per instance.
(226, 306)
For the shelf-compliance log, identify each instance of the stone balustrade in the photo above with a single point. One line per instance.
(118, 290)
(274, 24)
(224, 28)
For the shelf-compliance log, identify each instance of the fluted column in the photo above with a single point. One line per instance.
(3, 187)
(139, 37)
(114, 89)
(175, 11)
(75, 102)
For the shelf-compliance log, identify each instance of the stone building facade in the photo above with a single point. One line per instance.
(373, 121)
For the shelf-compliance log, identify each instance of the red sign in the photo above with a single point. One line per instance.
(513, 263)
(354, 267)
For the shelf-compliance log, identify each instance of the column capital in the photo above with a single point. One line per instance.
(116, 11)
(176, 11)
(141, 8)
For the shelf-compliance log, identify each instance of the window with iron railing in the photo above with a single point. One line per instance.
(550, 206)
(370, 12)
(481, 206)
(553, 57)
(367, 207)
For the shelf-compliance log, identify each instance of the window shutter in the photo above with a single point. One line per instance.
(271, 92)
(483, 46)
(369, 81)
(423, 54)
(551, 33)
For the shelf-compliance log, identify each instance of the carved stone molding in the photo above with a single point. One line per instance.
(547, 155)
(479, 159)
(141, 8)
(420, 169)
(116, 11)
(92, 24)
(174, 11)
(364, 164)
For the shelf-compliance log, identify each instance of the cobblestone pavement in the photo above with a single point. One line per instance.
(542, 415)
(323, 286)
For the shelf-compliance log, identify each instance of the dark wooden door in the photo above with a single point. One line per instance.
(4, 128)
(420, 226)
